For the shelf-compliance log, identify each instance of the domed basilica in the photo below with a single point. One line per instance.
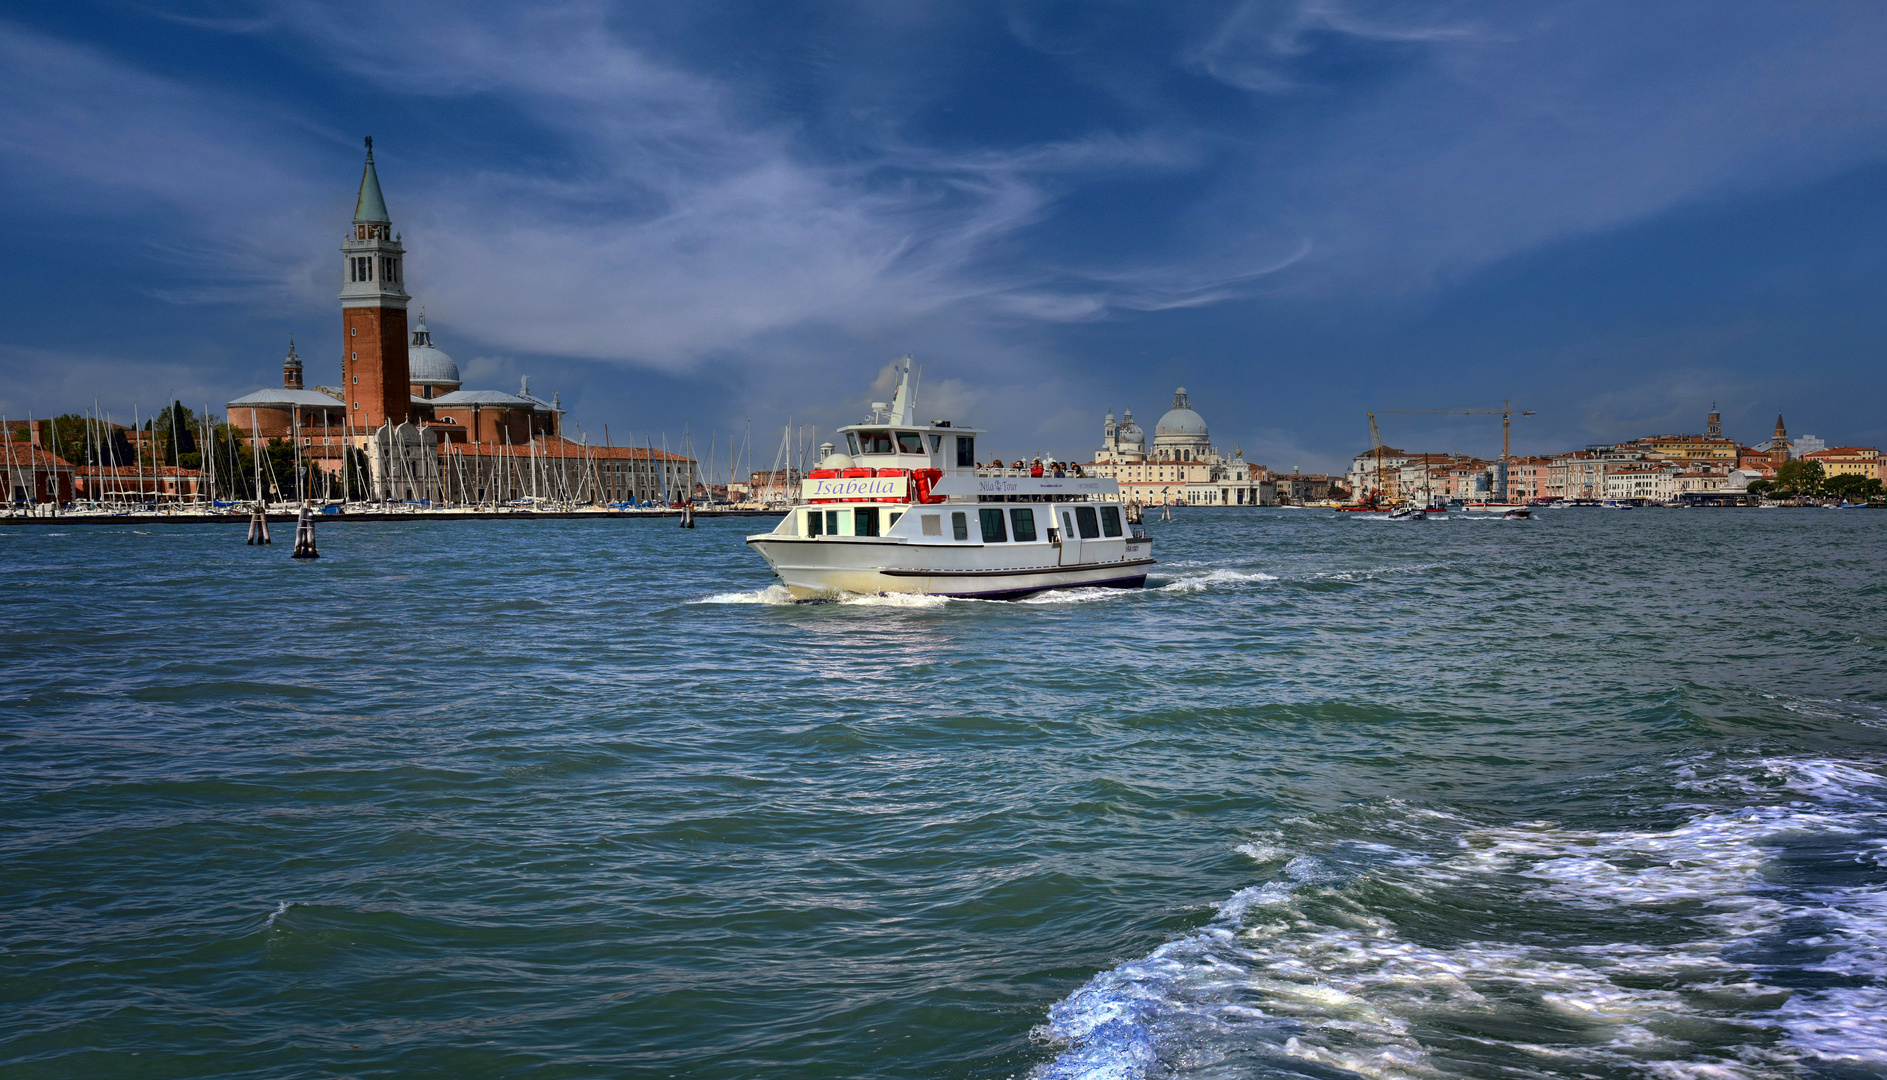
(1181, 466)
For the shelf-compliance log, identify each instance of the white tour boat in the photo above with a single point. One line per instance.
(903, 508)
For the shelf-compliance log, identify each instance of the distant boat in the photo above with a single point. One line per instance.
(1516, 515)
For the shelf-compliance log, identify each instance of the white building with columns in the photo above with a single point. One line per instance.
(1182, 465)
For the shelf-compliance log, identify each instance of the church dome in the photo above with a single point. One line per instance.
(1129, 433)
(1181, 420)
(425, 363)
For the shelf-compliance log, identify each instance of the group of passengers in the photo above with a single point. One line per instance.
(1038, 467)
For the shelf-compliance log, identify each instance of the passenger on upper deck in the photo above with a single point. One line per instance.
(1035, 467)
(1058, 473)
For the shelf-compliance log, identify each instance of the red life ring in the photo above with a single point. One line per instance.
(892, 498)
(925, 478)
(823, 474)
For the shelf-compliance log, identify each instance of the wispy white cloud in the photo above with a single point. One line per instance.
(1508, 128)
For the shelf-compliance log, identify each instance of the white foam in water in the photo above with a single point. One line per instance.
(1211, 578)
(280, 910)
(772, 595)
(1306, 975)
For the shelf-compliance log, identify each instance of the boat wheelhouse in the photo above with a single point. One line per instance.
(904, 508)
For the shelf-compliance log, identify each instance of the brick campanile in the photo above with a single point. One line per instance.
(373, 314)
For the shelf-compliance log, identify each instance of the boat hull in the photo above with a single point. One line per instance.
(810, 570)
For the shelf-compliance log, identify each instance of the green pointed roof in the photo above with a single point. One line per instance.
(373, 205)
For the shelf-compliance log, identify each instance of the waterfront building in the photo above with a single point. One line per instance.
(1863, 461)
(35, 474)
(1529, 478)
(1803, 445)
(1424, 476)
(1651, 482)
(1583, 474)
(1703, 479)
(1301, 487)
(1779, 445)
(1182, 465)
(1685, 447)
(125, 483)
(1754, 460)
(291, 411)
(1377, 473)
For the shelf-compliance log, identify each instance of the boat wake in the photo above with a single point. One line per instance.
(1214, 578)
(1746, 941)
(779, 596)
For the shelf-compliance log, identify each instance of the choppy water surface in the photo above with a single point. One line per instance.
(1595, 795)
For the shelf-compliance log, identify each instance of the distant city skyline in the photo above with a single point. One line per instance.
(1613, 216)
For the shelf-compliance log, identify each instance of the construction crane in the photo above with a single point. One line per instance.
(1506, 412)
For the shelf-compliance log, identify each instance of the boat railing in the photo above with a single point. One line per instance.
(1024, 474)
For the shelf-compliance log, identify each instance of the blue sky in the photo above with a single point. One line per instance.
(711, 213)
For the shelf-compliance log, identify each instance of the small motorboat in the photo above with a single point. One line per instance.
(1408, 513)
(1516, 515)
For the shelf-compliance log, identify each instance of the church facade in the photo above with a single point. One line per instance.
(1181, 465)
(401, 426)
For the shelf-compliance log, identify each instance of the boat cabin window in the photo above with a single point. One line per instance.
(892, 516)
(992, 526)
(875, 442)
(910, 442)
(936, 441)
(1024, 520)
(851, 442)
(814, 519)
(1087, 522)
(966, 452)
(832, 523)
(1110, 518)
(865, 521)
(932, 523)
(960, 525)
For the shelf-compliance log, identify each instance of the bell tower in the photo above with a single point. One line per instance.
(373, 313)
(291, 368)
(1779, 444)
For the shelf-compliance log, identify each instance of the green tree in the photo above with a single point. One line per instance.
(175, 430)
(1761, 487)
(1800, 478)
(65, 436)
(1852, 488)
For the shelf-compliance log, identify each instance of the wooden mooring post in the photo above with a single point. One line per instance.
(304, 535)
(258, 526)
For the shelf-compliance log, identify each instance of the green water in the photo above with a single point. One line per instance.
(1599, 794)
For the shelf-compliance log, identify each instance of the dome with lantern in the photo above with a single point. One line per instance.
(428, 368)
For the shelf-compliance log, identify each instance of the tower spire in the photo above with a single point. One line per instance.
(372, 207)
